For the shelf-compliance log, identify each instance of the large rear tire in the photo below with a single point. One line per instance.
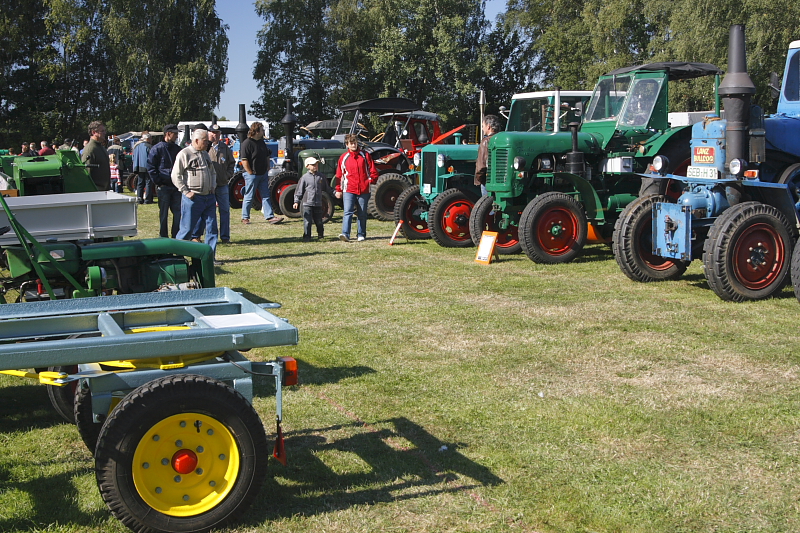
(552, 228)
(448, 218)
(286, 202)
(179, 454)
(747, 255)
(409, 208)
(236, 193)
(632, 244)
(277, 185)
(485, 218)
(384, 195)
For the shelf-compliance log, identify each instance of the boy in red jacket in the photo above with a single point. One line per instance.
(355, 172)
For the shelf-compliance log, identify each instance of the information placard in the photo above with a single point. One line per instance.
(486, 247)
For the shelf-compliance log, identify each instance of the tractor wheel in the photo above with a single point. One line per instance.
(236, 193)
(277, 185)
(286, 202)
(791, 177)
(328, 207)
(449, 218)
(130, 182)
(632, 244)
(63, 398)
(384, 195)
(88, 429)
(181, 453)
(679, 153)
(409, 208)
(796, 272)
(552, 228)
(747, 254)
(485, 218)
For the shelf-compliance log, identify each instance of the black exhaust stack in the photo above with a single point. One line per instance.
(575, 160)
(241, 127)
(736, 91)
(289, 121)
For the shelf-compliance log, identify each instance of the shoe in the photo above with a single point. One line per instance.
(139, 201)
(245, 221)
(149, 203)
(275, 220)
(306, 238)
(225, 241)
(361, 238)
(218, 263)
(196, 240)
(320, 237)
(343, 237)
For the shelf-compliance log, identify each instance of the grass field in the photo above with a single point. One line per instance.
(441, 395)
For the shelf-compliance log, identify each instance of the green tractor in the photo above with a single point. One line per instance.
(441, 202)
(552, 193)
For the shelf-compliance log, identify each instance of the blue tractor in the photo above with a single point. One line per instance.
(739, 199)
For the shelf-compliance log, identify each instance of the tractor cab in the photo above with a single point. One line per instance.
(536, 111)
(410, 130)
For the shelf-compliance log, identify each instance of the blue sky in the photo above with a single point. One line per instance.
(241, 88)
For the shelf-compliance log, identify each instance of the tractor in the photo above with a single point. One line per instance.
(738, 201)
(551, 193)
(440, 203)
(407, 130)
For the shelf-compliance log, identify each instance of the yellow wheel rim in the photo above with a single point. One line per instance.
(185, 465)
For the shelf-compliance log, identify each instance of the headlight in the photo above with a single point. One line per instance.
(737, 167)
(441, 160)
(519, 163)
(661, 164)
(417, 159)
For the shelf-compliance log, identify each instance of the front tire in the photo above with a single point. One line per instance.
(632, 244)
(180, 454)
(552, 228)
(286, 202)
(277, 185)
(485, 218)
(409, 208)
(449, 218)
(385, 194)
(747, 254)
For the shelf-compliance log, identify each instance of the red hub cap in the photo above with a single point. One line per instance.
(184, 461)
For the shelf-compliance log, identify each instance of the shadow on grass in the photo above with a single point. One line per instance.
(280, 256)
(376, 464)
(309, 374)
(594, 254)
(24, 407)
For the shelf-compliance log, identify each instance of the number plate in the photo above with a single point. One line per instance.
(702, 172)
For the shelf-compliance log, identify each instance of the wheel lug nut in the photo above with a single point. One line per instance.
(156, 437)
(212, 483)
(158, 490)
(199, 449)
(186, 497)
(177, 479)
(222, 457)
(165, 461)
(183, 424)
(199, 471)
(179, 443)
(146, 465)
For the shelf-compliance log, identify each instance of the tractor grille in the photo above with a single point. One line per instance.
(429, 168)
(498, 166)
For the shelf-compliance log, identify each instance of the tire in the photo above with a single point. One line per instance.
(210, 428)
(796, 272)
(747, 255)
(236, 193)
(384, 195)
(286, 202)
(328, 207)
(409, 208)
(791, 177)
(632, 244)
(277, 185)
(485, 218)
(130, 182)
(88, 429)
(553, 228)
(63, 398)
(448, 218)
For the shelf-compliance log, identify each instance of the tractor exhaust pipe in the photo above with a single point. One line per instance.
(736, 91)
(575, 160)
(241, 127)
(289, 121)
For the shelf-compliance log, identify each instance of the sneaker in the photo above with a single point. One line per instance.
(245, 221)
(306, 238)
(320, 237)
(361, 238)
(275, 220)
(225, 241)
(343, 237)
(218, 263)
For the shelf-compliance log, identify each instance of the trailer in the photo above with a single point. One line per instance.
(177, 443)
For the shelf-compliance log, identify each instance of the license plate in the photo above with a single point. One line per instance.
(702, 172)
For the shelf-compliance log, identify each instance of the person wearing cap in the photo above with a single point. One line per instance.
(160, 161)
(24, 150)
(95, 157)
(224, 165)
(309, 192)
(67, 144)
(194, 176)
(254, 156)
(145, 190)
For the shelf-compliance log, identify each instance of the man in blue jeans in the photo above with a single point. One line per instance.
(254, 156)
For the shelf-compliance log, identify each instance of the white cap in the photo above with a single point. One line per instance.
(310, 161)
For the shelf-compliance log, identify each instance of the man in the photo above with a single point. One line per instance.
(224, 165)
(24, 151)
(489, 126)
(144, 185)
(32, 151)
(46, 150)
(159, 166)
(254, 156)
(85, 143)
(95, 157)
(67, 145)
(194, 176)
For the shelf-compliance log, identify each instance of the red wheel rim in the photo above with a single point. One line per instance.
(557, 230)
(454, 219)
(644, 245)
(388, 198)
(506, 238)
(412, 216)
(280, 187)
(238, 191)
(758, 256)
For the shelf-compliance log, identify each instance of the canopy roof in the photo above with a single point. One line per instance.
(382, 104)
(677, 70)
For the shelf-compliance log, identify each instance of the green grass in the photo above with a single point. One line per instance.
(441, 395)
